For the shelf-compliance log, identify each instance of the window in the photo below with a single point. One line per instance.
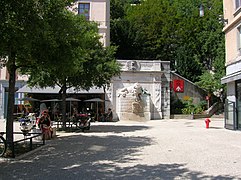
(239, 39)
(84, 9)
(237, 3)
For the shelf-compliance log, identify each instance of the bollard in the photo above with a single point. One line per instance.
(207, 121)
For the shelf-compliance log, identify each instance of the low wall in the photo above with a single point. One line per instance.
(188, 116)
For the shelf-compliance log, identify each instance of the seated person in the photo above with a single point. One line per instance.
(45, 125)
(75, 115)
(75, 112)
(25, 112)
(109, 115)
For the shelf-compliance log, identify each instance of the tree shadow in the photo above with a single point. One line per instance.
(104, 128)
(114, 128)
(98, 157)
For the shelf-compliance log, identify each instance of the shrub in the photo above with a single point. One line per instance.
(192, 108)
(177, 106)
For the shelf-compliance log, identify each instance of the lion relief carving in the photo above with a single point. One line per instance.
(135, 90)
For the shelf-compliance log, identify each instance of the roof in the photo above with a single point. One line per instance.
(231, 77)
(55, 90)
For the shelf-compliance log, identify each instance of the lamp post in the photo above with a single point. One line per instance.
(201, 11)
(221, 19)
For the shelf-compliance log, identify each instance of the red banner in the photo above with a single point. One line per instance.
(178, 85)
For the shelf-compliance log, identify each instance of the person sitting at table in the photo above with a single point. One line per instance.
(45, 125)
(25, 112)
(109, 115)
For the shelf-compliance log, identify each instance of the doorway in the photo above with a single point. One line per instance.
(238, 104)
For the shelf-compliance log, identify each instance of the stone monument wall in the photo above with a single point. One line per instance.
(130, 109)
(154, 78)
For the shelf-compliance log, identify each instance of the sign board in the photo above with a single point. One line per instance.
(178, 85)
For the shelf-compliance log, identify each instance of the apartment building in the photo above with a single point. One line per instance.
(97, 11)
(232, 30)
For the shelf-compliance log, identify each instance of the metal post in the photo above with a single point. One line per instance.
(225, 112)
(13, 150)
(31, 144)
(43, 139)
(234, 117)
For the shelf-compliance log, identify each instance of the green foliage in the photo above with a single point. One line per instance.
(121, 33)
(187, 106)
(21, 23)
(207, 82)
(211, 82)
(171, 31)
(191, 108)
(152, 26)
(70, 54)
(177, 106)
(52, 45)
(117, 8)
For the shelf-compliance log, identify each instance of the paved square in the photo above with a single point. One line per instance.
(163, 149)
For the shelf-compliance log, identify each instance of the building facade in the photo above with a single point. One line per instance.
(4, 89)
(232, 30)
(97, 11)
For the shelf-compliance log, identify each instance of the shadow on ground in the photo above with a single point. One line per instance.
(97, 157)
(108, 128)
(216, 128)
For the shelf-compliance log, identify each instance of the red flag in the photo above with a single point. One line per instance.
(178, 85)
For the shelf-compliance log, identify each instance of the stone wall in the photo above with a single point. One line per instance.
(190, 90)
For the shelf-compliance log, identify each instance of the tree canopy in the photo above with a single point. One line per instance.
(71, 56)
(19, 23)
(172, 30)
(46, 41)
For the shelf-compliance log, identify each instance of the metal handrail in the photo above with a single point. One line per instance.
(24, 139)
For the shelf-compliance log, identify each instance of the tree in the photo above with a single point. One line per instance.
(20, 23)
(207, 82)
(121, 30)
(212, 51)
(172, 30)
(73, 56)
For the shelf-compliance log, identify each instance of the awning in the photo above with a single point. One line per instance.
(55, 90)
(231, 77)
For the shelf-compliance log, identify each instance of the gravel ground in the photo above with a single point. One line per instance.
(163, 149)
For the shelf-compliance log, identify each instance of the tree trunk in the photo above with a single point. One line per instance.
(64, 105)
(10, 110)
